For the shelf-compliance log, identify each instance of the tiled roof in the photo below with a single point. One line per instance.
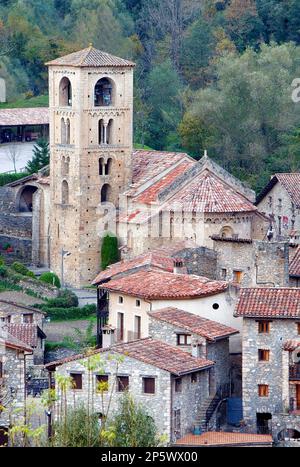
(269, 302)
(149, 164)
(208, 193)
(150, 194)
(291, 345)
(32, 116)
(207, 328)
(91, 57)
(222, 438)
(291, 182)
(155, 285)
(27, 333)
(12, 341)
(294, 269)
(151, 259)
(152, 352)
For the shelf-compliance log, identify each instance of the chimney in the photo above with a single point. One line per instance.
(108, 336)
(178, 267)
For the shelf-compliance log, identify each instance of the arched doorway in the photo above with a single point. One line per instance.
(25, 200)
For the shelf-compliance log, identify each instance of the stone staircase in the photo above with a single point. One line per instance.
(205, 413)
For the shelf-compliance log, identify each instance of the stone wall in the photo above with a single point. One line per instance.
(200, 261)
(13, 381)
(274, 373)
(21, 249)
(216, 351)
(262, 263)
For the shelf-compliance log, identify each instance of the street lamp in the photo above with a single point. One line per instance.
(63, 253)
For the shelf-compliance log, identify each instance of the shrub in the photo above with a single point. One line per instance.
(50, 278)
(3, 270)
(66, 299)
(109, 250)
(63, 314)
(2, 261)
(9, 178)
(21, 269)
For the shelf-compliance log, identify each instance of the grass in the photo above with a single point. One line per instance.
(36, 101)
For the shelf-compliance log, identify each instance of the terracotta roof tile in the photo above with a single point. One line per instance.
(207, 328)
(222, 438)
(29, 116)
(208, 193)
(91, 57)
(294, 269)
(291, 182)
(12, 341)
(149, 164)
(151, 259)
(269, 302)
(157, 284)
(153, 352)
(150, 194)
(26, 333)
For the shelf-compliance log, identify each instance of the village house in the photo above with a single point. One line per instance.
(171, 384)
(280, 201)
(25, 324)
(125, 302)
(294, 267)
(271, 360)
(13, 365)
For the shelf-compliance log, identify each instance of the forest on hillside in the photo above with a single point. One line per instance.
(210, 74)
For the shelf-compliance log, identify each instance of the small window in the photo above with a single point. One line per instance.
(194, 378)
(263, 355)
(264, 327)
(28, 318)
(138, 303)
(298, 328)
(1, 369)
(237, 276)
(101, 383)
(77, 380)
(121, 300)
(178, 385)
(263, 390)
(223, 273)
(122, 383)
(216, 306)
(149, 385)
(183, 339)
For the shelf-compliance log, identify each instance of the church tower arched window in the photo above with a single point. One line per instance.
(63, 131)
(104, 93)
(65, 92)
(105, 193)
(64, 192)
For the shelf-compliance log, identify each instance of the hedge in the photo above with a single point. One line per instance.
(21, 269)
(64, 314)
(12, 177)
(65, 299)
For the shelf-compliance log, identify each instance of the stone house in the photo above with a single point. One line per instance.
(25, 324)
(13, 364)
(271, 360)
(199, 336)
(170, 383)
(280, 201)
(124, 303)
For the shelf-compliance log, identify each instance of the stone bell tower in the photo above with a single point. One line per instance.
(91, 102)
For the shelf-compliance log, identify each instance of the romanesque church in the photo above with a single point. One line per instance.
(97, 182)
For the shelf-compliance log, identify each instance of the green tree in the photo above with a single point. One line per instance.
(250, 108)
(41, 156)
(109, 250)
(132, 426)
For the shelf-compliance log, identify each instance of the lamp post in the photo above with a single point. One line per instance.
(64, 253)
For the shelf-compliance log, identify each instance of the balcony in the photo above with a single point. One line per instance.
(294, 372)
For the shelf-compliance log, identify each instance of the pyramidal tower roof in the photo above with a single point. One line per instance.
(91, 57)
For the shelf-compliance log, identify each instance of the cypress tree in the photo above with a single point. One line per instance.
(109, 250)
(41, 155)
